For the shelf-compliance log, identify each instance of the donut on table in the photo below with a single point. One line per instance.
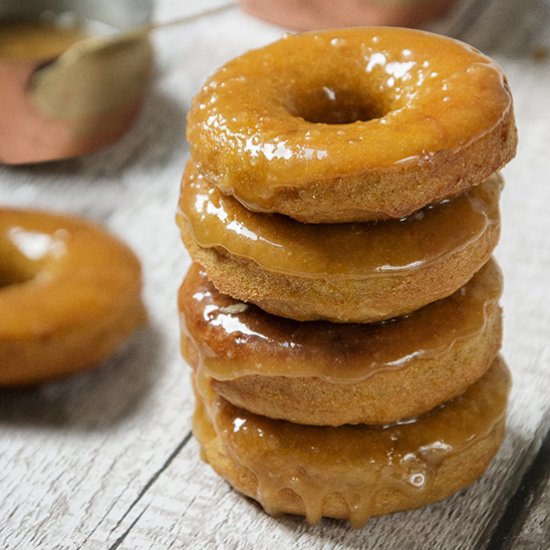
(323, 374)
(69, 295)
(352, 124)
(355, 472)
(308, 272)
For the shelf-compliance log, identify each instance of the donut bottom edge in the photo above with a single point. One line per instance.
(460, 472)
(73, 350)
(305, 299)
(345, 496)
(314, 401)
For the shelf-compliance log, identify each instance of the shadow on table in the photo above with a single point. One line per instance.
(93, 399)
(156, 136)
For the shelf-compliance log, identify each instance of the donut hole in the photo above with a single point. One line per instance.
(330, 105)
(22, 256)
(13, 273)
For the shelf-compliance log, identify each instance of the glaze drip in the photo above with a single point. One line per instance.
(339, 251)
(359, 465)
(227, 339)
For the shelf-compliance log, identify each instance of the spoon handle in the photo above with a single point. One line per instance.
(183, 19)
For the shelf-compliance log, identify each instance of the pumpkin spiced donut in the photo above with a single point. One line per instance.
(352, 124)
(355, 472)
(319, 373)
(69, 295)
(355, 272)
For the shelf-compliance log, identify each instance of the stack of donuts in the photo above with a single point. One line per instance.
(342, 315)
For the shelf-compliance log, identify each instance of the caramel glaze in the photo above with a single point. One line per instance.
(225, 339)
(358, 463)
(69, 295)
(380, 99)
(61, 265)
(337, 251)
(35, 40)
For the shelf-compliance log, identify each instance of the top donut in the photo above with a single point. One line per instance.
(352, 124)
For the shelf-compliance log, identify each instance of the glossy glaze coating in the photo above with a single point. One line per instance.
(318, 373)
(337, 251)
(33, 40)
(352, 124)
(234, 339)
(69, 295)
(355, 472)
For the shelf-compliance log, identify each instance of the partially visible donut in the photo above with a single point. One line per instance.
(357, 272)
(352, 124)
(69, 295)
(319, 373)
(355, 472)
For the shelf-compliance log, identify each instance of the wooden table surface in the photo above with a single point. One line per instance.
(106, 459)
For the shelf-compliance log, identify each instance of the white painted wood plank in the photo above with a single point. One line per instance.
(76, 454)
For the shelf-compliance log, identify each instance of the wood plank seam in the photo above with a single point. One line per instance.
(514, 482)
(120, 539)
(101, 520)
(152, 480)
(529, 488)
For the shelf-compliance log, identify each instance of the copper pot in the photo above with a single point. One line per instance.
(321, 14)
(83, 99)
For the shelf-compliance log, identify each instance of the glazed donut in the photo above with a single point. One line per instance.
(69, 295)
(352, 124)
(323, 374)
(358, 272)
(355, 472)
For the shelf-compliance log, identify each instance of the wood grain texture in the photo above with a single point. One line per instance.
(104, 459)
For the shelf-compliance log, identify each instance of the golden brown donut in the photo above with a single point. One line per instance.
(359, 272)
(352, 124)
(323, 374)
(355, 472)
(69, 295)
